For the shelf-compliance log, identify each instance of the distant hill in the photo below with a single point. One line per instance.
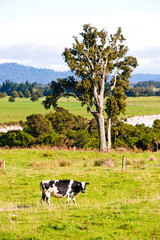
(20, 73)
(144, 77)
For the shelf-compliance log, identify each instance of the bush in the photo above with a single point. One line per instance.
(15, 138)
(2, 95)
(62, 121)
(137, 136)
(48, 153)
(80, 139)
(50, 139)
(25, 139)
(14, 94)
(34, 97)
(11, 99)
(36, 125)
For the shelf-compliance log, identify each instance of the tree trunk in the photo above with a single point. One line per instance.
(109, 134)
(101, 130)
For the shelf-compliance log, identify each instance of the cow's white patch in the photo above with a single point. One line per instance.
(69, 187)
(54, 192)
(46, 181)
(83, 185)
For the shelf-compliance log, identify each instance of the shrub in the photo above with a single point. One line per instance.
(16, 138)
(14, 94)
(11, 99)
(50, 139)
(25, 139)
(48, 153)
(36, 125)
(34, 97)
(80, 139)
(2, 95)
(62, 121)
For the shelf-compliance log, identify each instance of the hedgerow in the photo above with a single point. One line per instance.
(63, 129)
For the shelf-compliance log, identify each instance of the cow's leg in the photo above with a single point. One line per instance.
(48, 200)
(69, 196)
(42, 199)
(74, 200)
(48, 195)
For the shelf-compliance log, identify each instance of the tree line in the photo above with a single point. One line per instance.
(63, 129)
(27, 90)
(34, 90)
(144, 89)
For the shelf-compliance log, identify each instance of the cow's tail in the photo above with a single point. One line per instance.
(40, 186)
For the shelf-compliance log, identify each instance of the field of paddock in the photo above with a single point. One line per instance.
(117, 204)
(24, 107)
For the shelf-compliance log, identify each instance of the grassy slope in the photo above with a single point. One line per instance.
(117, 205)
(24, 107)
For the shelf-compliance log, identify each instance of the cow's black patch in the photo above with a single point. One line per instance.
(62, 186)
(49, 184)
(76, 187)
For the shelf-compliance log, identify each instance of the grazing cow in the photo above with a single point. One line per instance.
(61, 188)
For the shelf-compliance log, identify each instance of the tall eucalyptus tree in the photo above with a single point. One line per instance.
(93, 59)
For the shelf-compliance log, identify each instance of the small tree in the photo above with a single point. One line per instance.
(93, 60)
(20, 94)
(39, 93)
(115, 103)
(34, 97)
(14, 94)
(11, 99)
(27, 93)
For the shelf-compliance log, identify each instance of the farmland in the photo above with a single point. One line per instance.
(24, 107)
(117, 204)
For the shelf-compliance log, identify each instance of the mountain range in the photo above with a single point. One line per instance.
(20, 74)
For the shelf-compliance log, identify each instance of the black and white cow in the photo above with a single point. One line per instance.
(61, 188)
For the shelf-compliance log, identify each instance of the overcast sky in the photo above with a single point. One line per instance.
(36, 32)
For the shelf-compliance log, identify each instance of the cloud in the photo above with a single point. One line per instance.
(32, 54)
(148, 52)
(148, 59)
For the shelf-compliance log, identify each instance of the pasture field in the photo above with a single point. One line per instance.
(24, 107)
(143, 106)
(117, 204)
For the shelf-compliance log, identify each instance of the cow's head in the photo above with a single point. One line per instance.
(83, 186)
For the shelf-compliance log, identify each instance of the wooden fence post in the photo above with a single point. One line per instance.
(4, 165)
(123, 163)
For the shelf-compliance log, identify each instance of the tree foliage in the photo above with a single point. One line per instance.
(36, 125)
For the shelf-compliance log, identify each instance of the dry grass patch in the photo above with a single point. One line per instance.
(64, 163)
(138, 163)
(50, 164)
(10, 206)
(152, 158)
(104, 163)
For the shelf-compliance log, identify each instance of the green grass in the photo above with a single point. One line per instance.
(19, 110)
(24, 107)
(117, 204)
(143, 106)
